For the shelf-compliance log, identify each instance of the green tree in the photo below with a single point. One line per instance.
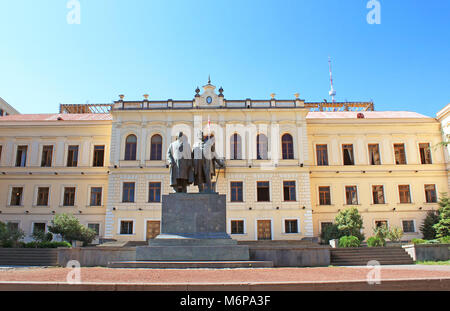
(70, 229)
(381, 232)
(330, 232)
(349, 222)
(395, 234)
(10, 237)
(442, 227)
(427, 229)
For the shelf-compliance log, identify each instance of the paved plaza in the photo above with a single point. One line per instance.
(327, 278)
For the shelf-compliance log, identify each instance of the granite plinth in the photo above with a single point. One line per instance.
(193, 253)
(194, 215)
(193, 228)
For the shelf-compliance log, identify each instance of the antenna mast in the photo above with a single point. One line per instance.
(332, 92)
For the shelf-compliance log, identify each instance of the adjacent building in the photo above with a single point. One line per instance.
(291, 165)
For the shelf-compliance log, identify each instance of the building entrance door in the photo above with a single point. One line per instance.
(264, 230)
(153, 229)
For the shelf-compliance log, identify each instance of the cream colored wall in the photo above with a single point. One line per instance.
(60, 135)
(247, 123)
(306, 134)
(360, 133)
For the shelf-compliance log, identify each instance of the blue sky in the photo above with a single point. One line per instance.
(250, 48)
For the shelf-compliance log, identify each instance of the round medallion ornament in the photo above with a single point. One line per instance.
(209, 100)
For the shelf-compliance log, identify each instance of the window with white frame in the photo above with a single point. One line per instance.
(408, 226)
(291, 226)
(126, 227)
(237, 227)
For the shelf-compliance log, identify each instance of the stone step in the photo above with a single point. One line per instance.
(360, 256)
(193, 253)
(371, 257)
(190, 264)
(364, 263)
(190, 242)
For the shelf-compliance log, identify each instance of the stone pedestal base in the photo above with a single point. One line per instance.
(193, 228)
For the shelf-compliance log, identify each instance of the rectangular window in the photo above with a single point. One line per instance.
(237, 227)
(154, 192)
(291, 226)
(289, 190)
(374, 154)
(324, 195)
(322, 154)
(348, 154)
(430, 193)
(128, 192)
(72, 156)
(237, 191)
(351, 195)
(324, 225)
(263, 191)
(13, 226)
(42, 196)
(96, 196)
(16, 196)
(69, 196)
(47, 155)
(99, 155)
(425, 153)
(39, 227)
(126, 227)
(378, 194)
(95, 227)
(408, 226)
(404, 193)
(400, 155)
(21, 158)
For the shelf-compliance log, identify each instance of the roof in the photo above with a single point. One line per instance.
(55, 116)
(367, 115)
(7, 107)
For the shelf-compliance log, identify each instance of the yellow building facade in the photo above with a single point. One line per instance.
(291, 165)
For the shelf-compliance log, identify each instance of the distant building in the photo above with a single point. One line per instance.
(291, 165)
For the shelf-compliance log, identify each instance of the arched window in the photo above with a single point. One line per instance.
(261, 147)
(287, 146)
(235, 147)
(130, 147)
(156, 147)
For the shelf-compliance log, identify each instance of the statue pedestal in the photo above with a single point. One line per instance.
(193, 228)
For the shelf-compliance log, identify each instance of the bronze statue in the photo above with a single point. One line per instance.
(205, 159)
(179, 157)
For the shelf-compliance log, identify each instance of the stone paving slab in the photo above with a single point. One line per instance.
(219, 276)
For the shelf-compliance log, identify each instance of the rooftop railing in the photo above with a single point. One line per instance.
(230, 104)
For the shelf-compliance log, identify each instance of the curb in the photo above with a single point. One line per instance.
(427, 284)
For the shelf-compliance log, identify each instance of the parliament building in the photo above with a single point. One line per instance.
(290, 165)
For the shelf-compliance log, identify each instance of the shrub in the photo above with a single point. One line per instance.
(445, 240)
(418, 241)
(70, 229)
(375, 241)
(46, 244)
(41, 236)
(381, 232)
(432, 242)
(443, 226)
(395, 234)
(330, 232)
(350, 223)
(427, 229)
(10, 237)
(349, 241)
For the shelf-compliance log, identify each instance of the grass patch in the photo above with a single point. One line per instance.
(433, 262)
